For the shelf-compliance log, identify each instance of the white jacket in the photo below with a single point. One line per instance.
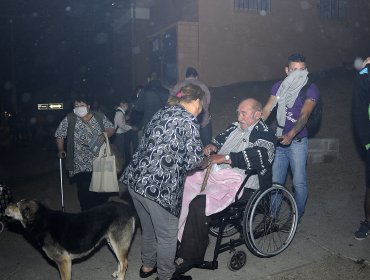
(120, 121)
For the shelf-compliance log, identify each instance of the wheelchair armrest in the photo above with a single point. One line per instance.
(251, 172)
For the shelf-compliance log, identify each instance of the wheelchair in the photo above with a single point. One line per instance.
(265, 222)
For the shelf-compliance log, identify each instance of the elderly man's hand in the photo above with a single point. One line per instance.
(218, 159)
(209, 149)
(205, 163)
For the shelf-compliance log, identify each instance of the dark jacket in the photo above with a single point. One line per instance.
(152, 98)
(361, 105)
(258, 156)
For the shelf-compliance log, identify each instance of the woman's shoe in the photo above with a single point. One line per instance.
(181, 277)
(144, 274)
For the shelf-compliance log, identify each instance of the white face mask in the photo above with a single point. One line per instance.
(80, 111)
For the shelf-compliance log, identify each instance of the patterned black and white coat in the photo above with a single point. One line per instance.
(169, 149)
(259, 154)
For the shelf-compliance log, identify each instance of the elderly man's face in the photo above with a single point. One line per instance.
(247, 116)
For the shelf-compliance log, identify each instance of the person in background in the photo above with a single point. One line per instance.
(169, 148)
(121, 139)
(134, 119)
(204, 118)
(361, 122)
(292, 116)
(151, 98)
(80, 128)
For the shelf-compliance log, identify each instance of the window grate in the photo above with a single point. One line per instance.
(332, 9)
(253, 5)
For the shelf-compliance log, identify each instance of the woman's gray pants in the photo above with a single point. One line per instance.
(159, 235)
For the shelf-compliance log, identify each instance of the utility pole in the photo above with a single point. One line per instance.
(13, 99)
(133, 44)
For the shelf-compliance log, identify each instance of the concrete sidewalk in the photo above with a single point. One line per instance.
(323, 248)
(324, 238)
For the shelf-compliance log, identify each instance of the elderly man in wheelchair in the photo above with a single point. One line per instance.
(236, 194)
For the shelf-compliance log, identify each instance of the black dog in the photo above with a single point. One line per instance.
(66, 236)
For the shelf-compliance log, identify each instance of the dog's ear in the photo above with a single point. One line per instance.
(26, 213)
(28, 208)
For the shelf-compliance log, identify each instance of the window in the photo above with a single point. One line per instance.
(253, 5)
(332, 9)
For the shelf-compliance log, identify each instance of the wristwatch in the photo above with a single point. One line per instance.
(227, 157)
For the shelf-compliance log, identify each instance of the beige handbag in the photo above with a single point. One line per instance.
(104, 175)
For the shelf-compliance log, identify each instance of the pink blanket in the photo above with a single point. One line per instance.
(220, 192)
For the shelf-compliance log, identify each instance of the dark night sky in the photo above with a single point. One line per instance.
(63, 48)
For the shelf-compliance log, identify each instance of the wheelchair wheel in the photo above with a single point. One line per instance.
(237, 260)
(270, 221)
(229, 230)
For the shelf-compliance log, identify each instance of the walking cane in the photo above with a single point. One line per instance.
(204, 184)
(61, 182)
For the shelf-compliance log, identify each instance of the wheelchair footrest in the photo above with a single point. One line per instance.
(211, 265)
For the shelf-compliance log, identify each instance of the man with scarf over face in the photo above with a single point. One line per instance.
(292, 115)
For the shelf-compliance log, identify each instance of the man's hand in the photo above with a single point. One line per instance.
(215, 158)
(285, 140)
(210, 148)
(205, 163)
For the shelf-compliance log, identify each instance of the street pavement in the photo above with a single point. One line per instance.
(323, 248)
(323, 244)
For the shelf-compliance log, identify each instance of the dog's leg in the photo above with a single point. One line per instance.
(60, 256)
(65, 268)
(120, 242)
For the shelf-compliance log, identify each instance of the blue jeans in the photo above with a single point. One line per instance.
(294, 155)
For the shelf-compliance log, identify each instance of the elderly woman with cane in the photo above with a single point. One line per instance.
(80, 128)
(169, 149)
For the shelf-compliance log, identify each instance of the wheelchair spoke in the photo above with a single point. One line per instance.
(270, 221)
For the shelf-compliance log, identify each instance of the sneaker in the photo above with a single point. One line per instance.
(363, 231)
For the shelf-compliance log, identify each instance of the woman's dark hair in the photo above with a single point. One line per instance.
(186, 94)
(83, 98)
